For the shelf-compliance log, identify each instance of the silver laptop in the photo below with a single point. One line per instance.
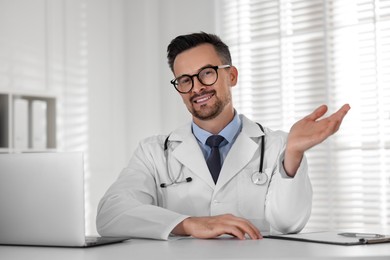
(42, 201)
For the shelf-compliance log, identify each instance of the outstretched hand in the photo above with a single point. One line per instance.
(310, 131)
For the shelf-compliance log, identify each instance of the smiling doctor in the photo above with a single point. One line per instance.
(243, 180)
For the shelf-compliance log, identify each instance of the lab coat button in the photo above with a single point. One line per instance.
(215, 201)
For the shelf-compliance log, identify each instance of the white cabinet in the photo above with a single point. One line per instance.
(28, 122)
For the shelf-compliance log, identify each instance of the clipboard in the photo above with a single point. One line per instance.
(335, 238)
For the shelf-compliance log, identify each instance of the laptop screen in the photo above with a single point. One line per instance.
(42, 199)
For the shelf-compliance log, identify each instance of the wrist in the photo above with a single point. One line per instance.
(181, 228)
(292, 161)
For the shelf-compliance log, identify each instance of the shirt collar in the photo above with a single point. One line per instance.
(229, 132)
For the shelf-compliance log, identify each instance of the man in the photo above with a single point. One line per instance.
(183, 185)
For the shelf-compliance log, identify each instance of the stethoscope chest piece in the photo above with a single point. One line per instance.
(259, 178)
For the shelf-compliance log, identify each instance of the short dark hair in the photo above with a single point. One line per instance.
(185, 42)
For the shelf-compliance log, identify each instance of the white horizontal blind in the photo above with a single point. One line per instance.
(294, 55)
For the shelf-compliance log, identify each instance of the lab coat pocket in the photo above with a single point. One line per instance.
(187, 197)
(252, 191)
(175, 186)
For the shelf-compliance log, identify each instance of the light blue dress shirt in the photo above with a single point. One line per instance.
(230, 133)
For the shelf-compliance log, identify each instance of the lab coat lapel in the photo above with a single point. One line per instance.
(188, 153)
(241, 152)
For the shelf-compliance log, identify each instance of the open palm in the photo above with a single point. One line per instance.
(311, 130)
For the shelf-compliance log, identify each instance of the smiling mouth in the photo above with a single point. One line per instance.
(199, 99)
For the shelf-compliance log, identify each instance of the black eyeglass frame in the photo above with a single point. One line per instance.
(175, 84)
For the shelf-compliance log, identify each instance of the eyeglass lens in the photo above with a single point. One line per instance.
(207, 76)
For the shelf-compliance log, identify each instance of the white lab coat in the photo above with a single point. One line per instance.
(135, 205)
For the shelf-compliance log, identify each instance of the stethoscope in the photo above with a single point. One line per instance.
(258, 177)
(176, 180)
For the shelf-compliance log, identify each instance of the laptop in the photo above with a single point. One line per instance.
(42, 201)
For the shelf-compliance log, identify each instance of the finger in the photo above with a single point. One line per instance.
(256, 232)
(340, 114)
(252, 233)
(234, 231)
(246, 226)
(317, 113)
(241, 234)
(336, 118)
(343, 111)
(345, 108)
(334, 121)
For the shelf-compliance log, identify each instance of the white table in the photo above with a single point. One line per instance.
(189, 248)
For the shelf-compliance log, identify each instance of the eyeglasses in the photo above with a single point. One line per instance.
(207, 76)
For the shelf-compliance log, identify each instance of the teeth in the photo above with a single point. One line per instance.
(202, 99)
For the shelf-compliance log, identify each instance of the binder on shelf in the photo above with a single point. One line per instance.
(21, 129)
(3, 123)
(38, 124)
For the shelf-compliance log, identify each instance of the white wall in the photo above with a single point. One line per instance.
(106, 59)
(130, 96)
(179, 17)
(107, 97)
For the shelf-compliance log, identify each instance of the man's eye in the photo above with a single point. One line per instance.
(184, 81)
(207, 72)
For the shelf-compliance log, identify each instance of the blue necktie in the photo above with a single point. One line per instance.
(214, 160)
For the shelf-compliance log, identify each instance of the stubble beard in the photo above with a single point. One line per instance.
(207, 112)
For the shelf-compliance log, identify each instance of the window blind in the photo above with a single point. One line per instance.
(294, 55)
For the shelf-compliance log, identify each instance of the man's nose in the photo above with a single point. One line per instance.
(198, 86)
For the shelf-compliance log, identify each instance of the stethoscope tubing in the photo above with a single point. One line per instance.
(262, 149)
(189, 179)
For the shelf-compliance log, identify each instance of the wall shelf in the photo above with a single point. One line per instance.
(28, 122)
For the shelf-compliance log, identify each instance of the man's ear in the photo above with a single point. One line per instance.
(233, 76)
